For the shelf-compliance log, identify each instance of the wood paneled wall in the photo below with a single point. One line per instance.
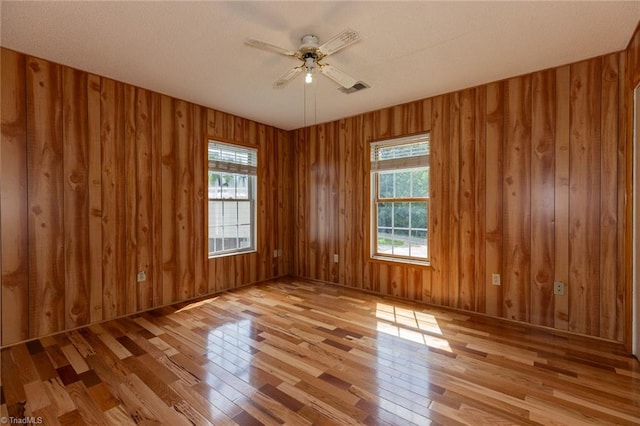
(100, 180)
(528, 181)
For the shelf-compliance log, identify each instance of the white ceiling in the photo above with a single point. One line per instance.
(409, 50)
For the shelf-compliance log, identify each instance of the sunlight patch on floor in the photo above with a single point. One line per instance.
(410, 325)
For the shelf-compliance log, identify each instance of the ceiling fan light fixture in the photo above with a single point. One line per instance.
(310, 66)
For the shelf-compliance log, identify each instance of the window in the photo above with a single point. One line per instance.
(400, 198)
(232, 198)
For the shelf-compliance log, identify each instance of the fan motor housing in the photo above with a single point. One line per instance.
(310, 44)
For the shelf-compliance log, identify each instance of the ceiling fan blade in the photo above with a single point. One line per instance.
(340, 41)
(282, 81)
(269, 47)
(338, 76)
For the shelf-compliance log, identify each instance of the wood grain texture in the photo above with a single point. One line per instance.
(45, 195)
(561, 197)
(14, 293)
(542, 197)
(584, 197)
(494, 202)
(94, 175)
(609, 323)
(467, 201)
(128, 283)
(517, 199)
(113, 191)
(250, 357)
(185, 272)
(76, 197)
(168, 172)
(144, 193)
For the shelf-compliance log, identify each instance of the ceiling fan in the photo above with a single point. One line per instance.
(311, 52)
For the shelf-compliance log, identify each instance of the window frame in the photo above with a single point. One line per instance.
(231, 168)
(376, 199)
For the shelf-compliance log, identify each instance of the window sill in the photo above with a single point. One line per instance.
(411, 262)
(233, 253)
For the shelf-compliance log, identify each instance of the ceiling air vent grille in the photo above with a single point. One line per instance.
(355, 88)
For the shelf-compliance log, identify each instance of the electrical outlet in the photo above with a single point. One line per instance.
(275, 253)
(558, 288)
(335, 258)
(495, 279)
(142, 276)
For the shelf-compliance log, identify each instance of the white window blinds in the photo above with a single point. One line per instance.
(401, 153)
(229, 158)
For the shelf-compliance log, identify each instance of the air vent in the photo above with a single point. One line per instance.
(355, 88)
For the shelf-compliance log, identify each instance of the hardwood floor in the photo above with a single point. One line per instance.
(299, 353)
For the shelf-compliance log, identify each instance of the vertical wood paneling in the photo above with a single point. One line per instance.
(517, 199)
(45, 193)
(185, 285)
(584, 197)
(285, 208)
(348, 154)
(144, 198)
(157, 252)
(95, 198)
(199, 179)
(542, 197)
(168, 179)
(467, 205)
(113, 191)
(480, 190)
(624, 303)
(14, 291)
(453, 166)
(129, 282)
(494, 202)
(368, 282)
(76, 197)
(608, 198)
(437, 200)
(561, 197)
(257, 133)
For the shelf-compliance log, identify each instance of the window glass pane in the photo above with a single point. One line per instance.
(244, 212)
(401, 242)
(403, 184)
(419, 215)
(242, 187)
(386, 241)
(420, 183)
(401, 215)
(230, 237)
(215, 185)
(244, 236)
(385, 214)
(230, 213)
(386, 185)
